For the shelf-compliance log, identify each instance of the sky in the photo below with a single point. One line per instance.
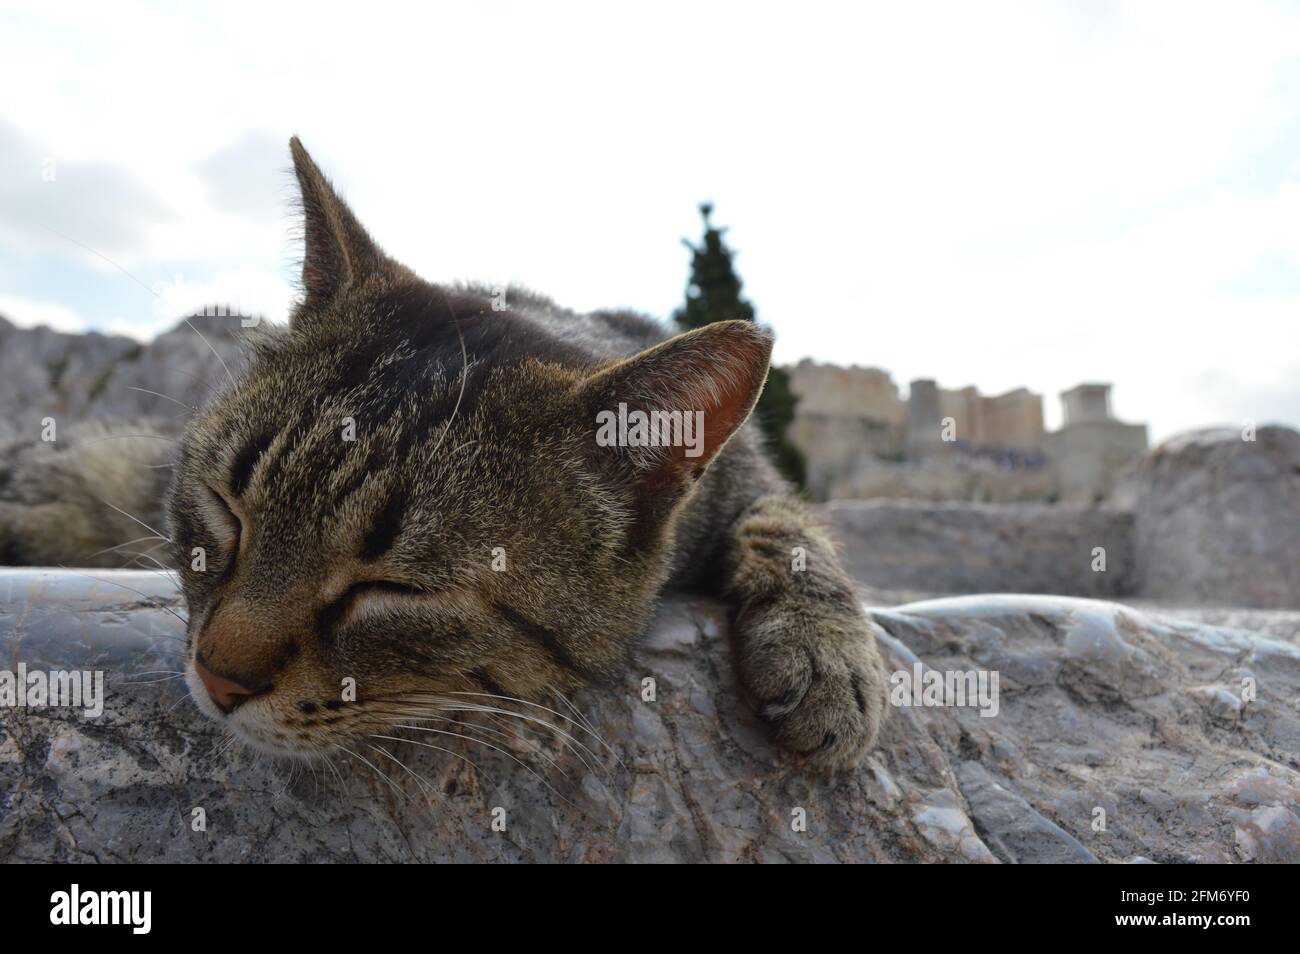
(998, 194)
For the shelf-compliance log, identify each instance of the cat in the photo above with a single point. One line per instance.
(410, 491)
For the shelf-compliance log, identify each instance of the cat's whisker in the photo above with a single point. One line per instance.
(209, 389)
(138, 555)
(202, 382)
(327, 758)
(163, 570)
(127, 437)
(148, 599)
(295, 772)
(275, 777)
(583, 753)
(429, 745)
(503, 729)
(159, 672)
(365, 761)
(480, 707)
(172, 707)
(128, 543)
(315, 779)
(596, 769)
(464, 377)
(587, 724)
(441, 702)
(565, 738)
(469, 706)
(212, 349)
(586, 728)
(226, 744)
(460, 447)
(157, 546)
(424, 783)
(577, 713)
(165, 397)
(160, 536)
(422, 715)
(495, 748)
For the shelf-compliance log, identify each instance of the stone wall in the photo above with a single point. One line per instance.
(1218, 517)
(1210, 518)
(829, 389)
(861, 441)
(986, 548)
(960, 477)
(845, 418)
(836, 447)
(1091, 457)
(1013, 420)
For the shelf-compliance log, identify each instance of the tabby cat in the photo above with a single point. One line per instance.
(407, 488)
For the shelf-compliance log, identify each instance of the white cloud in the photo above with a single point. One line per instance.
(29, 313)
(69, 204)
(998, 193)
(245, 291)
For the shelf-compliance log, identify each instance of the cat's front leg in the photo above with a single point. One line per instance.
(805, 651)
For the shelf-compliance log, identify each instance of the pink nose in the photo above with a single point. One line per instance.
(225, 693)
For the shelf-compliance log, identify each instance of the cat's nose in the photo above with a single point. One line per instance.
(225, 693)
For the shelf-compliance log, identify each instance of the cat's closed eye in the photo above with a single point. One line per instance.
(223, 522)
(364, 596)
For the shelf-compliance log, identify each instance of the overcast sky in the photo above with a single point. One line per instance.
(996, 194)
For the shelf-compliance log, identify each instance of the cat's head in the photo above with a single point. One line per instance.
(411, 498)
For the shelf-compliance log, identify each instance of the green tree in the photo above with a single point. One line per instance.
(714, 294)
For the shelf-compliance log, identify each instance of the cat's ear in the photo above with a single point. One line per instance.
(665, 413)
(338, 251)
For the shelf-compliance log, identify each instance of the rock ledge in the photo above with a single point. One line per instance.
(1120, 735)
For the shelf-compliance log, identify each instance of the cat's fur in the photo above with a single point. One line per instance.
(405, 490)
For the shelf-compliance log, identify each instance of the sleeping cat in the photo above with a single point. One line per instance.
(409, 488)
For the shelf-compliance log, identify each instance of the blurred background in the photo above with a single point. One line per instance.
(1006, 248)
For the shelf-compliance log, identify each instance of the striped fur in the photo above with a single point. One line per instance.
(405, 490)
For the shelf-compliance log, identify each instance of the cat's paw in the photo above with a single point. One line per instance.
(817, 680)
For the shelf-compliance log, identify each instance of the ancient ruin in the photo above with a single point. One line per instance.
(862, 440)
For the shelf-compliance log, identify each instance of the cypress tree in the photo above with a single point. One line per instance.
(714, 294)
